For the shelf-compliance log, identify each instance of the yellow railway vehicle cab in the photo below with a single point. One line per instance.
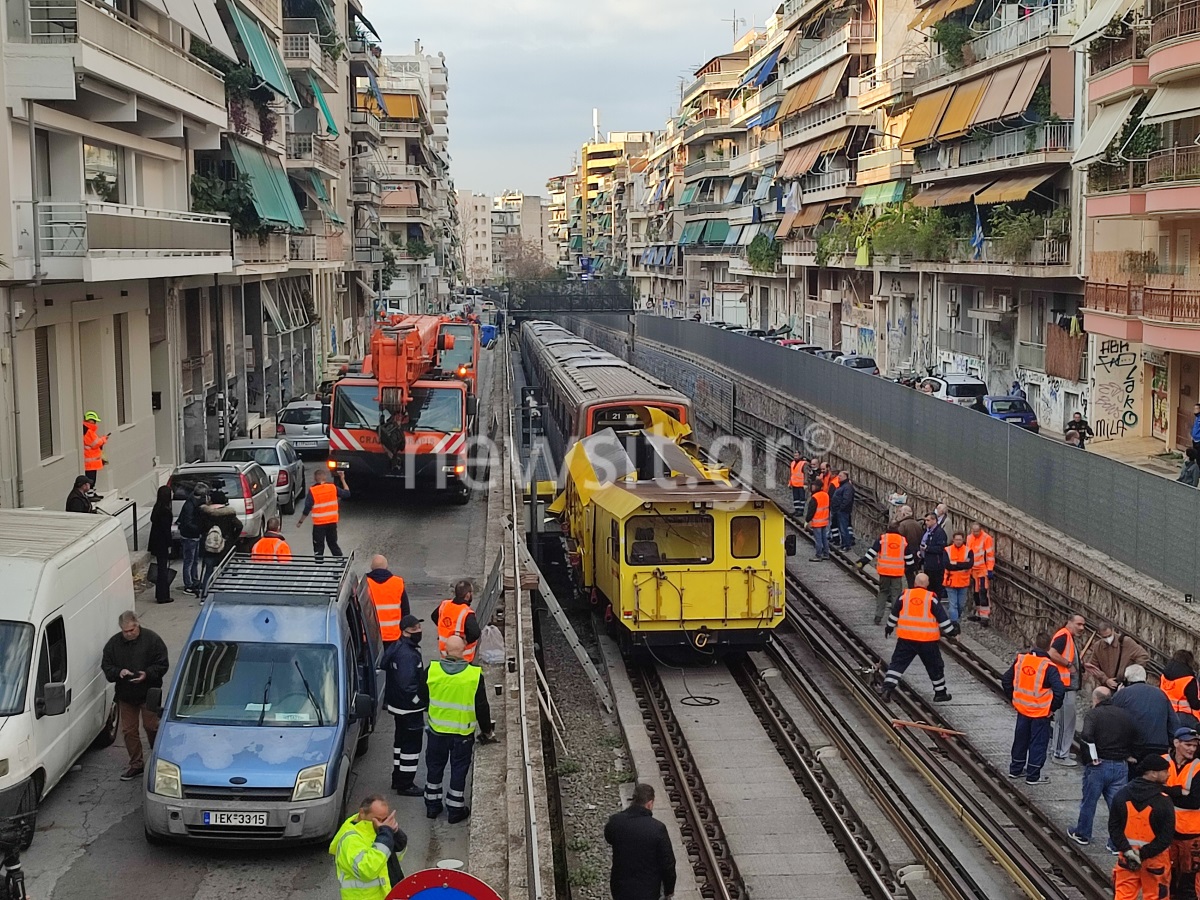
(674, 553)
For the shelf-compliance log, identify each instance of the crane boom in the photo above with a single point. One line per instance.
(403, 350)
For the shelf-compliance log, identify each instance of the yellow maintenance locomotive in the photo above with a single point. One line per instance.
(673, 552)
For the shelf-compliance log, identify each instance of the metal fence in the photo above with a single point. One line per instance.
(1143, 520)
(598, 295)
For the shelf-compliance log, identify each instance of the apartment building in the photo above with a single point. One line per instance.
(656, 219)
(561, 190)
(475, 228)
(594, 246)
(521, 240)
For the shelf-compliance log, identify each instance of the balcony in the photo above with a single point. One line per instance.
(368, 252)
(405, 214)
(835, 184)
(68, 40)
(399, 171)
(706, 123)
(365, 188)
(316, 248)
(302, 53)
(1118, 68)
(760, 156)
(826, 117)
(800, 252)
(704, 166)
(856, 36)
(725, 81)
(887, 86)
(92, 241)
(1043, 144)
(364, 54)
(1173, 180)
(884, 165)
(1042, 255)
(1024, 32)
(393, 127)
(269, 253)
(363, 122)
(306, 152)
(967, 343)
(268, 11)
(1031, 356)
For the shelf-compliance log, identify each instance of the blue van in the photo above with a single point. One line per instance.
(276, 692)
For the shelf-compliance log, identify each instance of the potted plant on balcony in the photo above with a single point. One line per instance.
(952, 36)
(232, 196)
(1014, 231)
(764, 253)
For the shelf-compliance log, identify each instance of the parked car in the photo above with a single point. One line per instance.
(1012, 409)
(833, 355)
(279, 460)
(304, 423)
(861, 363)
(246, 485)
(797, 344)
(960, 389)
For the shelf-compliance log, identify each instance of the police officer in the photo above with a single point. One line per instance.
(892, 557)
(272, 545)
(1182, 788)
(455, 617)
(390, 597)
(796, 482)
(919, 621)
(457, 704)
(1141, 826)
(407, 697)
(1033, 686)
(367, 850)
(322, 501)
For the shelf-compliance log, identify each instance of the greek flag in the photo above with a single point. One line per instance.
(977, 237)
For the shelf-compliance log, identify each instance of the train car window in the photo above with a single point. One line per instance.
(745, 537)
(672, 540)
(614, 540)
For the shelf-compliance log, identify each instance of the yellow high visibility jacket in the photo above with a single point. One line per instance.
(362, 864)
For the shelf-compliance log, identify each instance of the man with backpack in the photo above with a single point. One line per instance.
(221, 529)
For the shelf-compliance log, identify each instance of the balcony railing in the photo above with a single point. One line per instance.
(1115, 299)
(966, 342)
(316, 247)
(894, 72)
(812, 59)
(305, 49)
(365, 52)
(1171, 304)
(251, 251)
(364, 120)
(1105, 54)
(368, 253)
(97, 25)
(307, 149)
(1176, 20)
(1039, 23)
(705, 165)
(888, 157)
(1106, 179)
(114, 231)
(824, 181)
(704, 123)
(393, 127)
(1043, 138)
(1031, 356)
(1042, 252)
(819, 115)
(1173, 164)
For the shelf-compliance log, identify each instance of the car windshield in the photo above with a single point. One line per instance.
(965, 389)
(463, 352)
(230, 484)
(1010, 405)
(436, 409)
(264, 456)
(301, 415)
(16, 639)
(355, 406)
(241, 683)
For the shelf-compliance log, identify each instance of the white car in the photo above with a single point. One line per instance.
(961, 389)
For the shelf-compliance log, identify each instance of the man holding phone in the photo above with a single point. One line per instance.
(135, 660)
(367, 850)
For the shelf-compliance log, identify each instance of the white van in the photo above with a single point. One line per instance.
(66, 579)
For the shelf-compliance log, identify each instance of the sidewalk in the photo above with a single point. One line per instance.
(1145, 453)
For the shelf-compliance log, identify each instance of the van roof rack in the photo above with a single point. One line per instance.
(301, 577)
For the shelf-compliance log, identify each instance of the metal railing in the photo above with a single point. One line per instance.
(316, 247)
(705, 165)
(1106, 179)
(1039, 23)
(1171, 304)
(966, 342)
(1176, 20)
(704, 123)
(893, 72)
(393, 127)
(819, 115)
(365, 51)
(812, 59)
(1042, 138)
(1104, 54)
(1173, 164)
(306, 47)
(1031, 356)
(824, 181)
(306, 148)
(1042, 252)
(110, 31)
(888, 157)
(116, 231)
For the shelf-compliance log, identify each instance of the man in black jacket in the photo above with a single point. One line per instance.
(643, 860)
(841, 504)
(933, 554)
(135, 660)
(77, 500)
(1105, 747)
(407, 697)
(189, 537)
(1142, 841)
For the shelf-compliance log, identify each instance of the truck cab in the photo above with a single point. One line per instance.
(276, 692)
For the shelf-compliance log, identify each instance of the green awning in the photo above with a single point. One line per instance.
(715, 231)
(881, 194)
(689, 194)
(691, 233)
(269, 186)
(330, 125)
(323, 198)
(577, 242)
(264, 56)
(870, 195)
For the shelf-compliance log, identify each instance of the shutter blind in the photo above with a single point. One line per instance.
(41, 352)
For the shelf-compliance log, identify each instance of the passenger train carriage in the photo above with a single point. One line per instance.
(673, 552)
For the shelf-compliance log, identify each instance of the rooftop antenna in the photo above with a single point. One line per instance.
(595, 125)
(735, 21)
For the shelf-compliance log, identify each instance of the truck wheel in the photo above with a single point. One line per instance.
(461, 496)
(108, 734)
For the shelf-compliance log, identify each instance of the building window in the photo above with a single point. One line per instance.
(43, 354)
(102, 172)
(121, 365)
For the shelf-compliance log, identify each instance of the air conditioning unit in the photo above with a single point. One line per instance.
(831, 296)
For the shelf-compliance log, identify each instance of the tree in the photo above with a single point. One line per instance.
(521, 260)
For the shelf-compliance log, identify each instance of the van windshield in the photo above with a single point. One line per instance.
(17, 640)
(236, 683)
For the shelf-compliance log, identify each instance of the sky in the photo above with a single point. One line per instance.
(525, 74)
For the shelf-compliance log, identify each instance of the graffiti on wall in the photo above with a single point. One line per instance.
(1116, 389)
(866, 342)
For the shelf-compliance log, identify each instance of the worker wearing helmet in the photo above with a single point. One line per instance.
(93, 446)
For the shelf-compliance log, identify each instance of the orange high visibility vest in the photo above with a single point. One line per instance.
(387, 598)
(1174, 689)
(1137, 825)
(984, 549)
(797, 479)
(93, 448)
(917, 621)
(1187, 821)
(271, 548)
(958, 578)
(325, 504)
(892, 549)
(1031, 697)
(1065, 671)
(452, 620)
(821, 517)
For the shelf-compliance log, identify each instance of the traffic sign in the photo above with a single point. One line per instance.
(442, 884)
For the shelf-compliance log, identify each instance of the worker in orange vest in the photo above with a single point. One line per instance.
(455, 617)
(1065, 655)
(322, 502)
(796, 482)
(1178, 682)
(93, 446)
(272, 545)
(1184, 790)
(919, 621)
(891, 554)
(389, 597)
(1141, 827)
(958, 575)
(1033, 686)
(817, 516)
(983, 555)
